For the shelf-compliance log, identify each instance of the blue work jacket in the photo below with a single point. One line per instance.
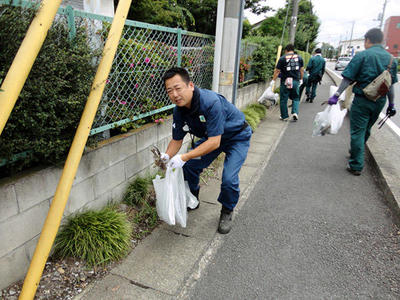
(210, 115)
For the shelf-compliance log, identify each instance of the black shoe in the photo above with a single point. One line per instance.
(225, 221)
(196, 194)
(354, 172)
(311, 100)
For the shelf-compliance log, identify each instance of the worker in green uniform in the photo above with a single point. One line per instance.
(363, 69)
(290, 67)
(316, 69)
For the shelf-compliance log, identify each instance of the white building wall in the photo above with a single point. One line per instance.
(348, 46)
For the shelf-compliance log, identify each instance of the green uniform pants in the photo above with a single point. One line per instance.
(311, 85)
(285, 94)
(363, 115)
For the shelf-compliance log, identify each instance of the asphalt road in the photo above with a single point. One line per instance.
(309, 229)
(396, 118)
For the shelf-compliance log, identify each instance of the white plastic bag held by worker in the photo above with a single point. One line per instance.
(331, 118)
(269, 94)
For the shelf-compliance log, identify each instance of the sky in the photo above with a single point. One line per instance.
(337, 17)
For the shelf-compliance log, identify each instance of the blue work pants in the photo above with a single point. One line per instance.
(235, 150)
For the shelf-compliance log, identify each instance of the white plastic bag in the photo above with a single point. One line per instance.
(336, 116)
(172, 194)
(329, 120)
(164, 200)
(268, 95)
(191, 200)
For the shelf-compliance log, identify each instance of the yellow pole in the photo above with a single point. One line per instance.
(56, 210)
(26, 55)
(278, 55)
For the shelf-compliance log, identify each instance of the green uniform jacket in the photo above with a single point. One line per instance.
(366, 65)
(316, 67)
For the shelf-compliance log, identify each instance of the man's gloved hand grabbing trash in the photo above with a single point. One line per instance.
(333, 100)
(176, 162)
(164, 157)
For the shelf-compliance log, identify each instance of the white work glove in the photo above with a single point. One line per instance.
(301, 81)
(164, 157)
(176, 162)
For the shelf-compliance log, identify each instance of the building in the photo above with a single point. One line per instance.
(351, 47)
(391, 35)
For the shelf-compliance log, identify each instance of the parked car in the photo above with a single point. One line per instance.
(342, 62)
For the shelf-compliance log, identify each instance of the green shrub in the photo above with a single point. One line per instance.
(48, 110)
(98, 237)
(264, 57)
(137, 192)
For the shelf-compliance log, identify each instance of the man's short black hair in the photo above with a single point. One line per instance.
(177, 71)
(375, 36)
(318, 50)
(289, 47)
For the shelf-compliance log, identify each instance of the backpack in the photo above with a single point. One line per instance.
(380, 86)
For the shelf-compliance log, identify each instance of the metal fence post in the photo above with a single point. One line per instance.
(71, 21)
(179, 47)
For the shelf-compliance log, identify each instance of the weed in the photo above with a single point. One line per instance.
(137, 192)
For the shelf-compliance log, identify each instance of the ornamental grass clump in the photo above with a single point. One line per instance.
(260, 109)
(137, 192)
(253, 114)
(140, 196)
(98, 237)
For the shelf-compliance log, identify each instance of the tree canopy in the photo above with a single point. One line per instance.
(307, 25)
(194, 15)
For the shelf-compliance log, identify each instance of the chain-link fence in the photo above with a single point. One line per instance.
(134, 89)
(247, 69)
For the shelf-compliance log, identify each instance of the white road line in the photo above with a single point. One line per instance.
(389, 122)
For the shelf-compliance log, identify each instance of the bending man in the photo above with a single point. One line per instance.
(220, 126)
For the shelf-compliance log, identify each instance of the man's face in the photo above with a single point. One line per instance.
(179, 92)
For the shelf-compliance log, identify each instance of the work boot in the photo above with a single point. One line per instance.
(225, 221)
(354, 172)
(196, 194)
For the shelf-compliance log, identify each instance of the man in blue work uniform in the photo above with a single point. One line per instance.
(364, 67)
(316, 69)
(290, 66)
(220, 126)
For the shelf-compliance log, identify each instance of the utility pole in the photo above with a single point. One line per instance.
(293, 21)
(229, 48)
(351, 37)
(382, 15)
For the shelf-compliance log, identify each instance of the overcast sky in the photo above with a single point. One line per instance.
(337, 16)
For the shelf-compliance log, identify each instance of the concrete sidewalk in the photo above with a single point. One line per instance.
(169, 262)
(166, 263)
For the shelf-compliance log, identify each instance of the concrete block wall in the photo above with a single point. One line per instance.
(102, 177)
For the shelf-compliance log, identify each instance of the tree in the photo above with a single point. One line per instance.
(194, 15)
(328, 50)
(246, 28)
(160, 12)
(307, 25)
